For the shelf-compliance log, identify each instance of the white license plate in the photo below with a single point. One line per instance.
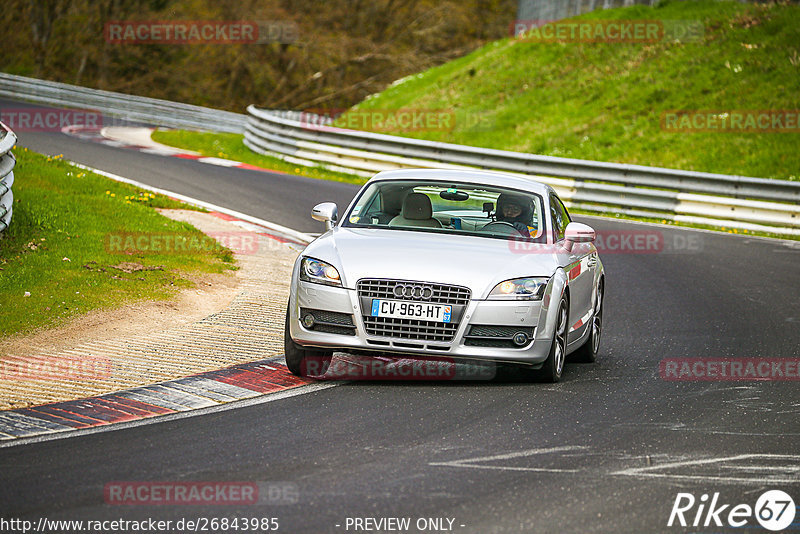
(422, 311)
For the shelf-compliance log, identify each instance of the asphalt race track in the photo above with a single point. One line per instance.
(606, 450)
(275, 197)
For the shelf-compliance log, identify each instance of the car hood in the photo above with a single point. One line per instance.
(479, 263)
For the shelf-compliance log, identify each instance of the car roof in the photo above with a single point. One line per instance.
(490, 178)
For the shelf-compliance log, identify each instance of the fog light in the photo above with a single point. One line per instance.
(520, 339)
(308, 320)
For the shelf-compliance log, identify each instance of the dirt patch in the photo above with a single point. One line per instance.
(133, 267)
(151, 341)
(211, 293)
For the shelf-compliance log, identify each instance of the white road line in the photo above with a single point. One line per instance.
(790, 469)
(509, 468)
(220, 162)
(761, 481)
(759, 478)
(734, 433)
(471, 462)
(761, 475)
(715, 460)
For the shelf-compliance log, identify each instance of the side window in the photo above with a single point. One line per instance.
(560, 217)
(566, 213)
(376, 204)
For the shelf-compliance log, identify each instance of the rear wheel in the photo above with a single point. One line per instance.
(553, 366)
(587, 353)
(304, 362)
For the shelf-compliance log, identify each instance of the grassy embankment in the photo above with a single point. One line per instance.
(57, 259)
(605, 101)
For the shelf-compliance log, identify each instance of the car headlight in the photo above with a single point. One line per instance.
(519, 289)
(319, 272)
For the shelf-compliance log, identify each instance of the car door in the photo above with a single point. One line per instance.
(579, 265)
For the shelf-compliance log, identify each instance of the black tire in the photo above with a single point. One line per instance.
(304, 362)
(553, 366)
(587, 353)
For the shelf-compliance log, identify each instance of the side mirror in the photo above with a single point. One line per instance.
(326, 212)
(578, 233)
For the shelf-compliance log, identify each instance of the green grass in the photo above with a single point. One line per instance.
(230, 146)
(56, 248)
(604, 101)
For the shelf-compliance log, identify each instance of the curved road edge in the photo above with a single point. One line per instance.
(201, 393)
(233, 387)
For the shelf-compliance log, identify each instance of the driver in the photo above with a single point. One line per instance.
(516, 210)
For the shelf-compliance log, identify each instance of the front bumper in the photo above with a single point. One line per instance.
(524, 316)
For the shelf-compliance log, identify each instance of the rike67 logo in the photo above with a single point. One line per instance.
(774, 510)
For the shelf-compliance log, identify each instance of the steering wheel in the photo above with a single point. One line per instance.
(502, 227)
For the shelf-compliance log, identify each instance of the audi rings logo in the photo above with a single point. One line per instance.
(409, 291)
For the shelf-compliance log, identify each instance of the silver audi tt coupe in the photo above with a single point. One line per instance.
(468, 265)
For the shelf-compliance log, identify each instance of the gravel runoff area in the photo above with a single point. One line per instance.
(226, 319)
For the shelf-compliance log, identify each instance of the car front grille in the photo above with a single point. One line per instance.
(412, 329)
(409, 329)
(442, 293)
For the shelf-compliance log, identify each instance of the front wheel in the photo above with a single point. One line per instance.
(587, 353)
(303, 362)
(553, 366)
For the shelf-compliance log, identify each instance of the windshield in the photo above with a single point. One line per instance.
(459, 208)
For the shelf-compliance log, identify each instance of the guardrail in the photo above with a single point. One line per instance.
(741, 202)
(7, 162)
(119, 105)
